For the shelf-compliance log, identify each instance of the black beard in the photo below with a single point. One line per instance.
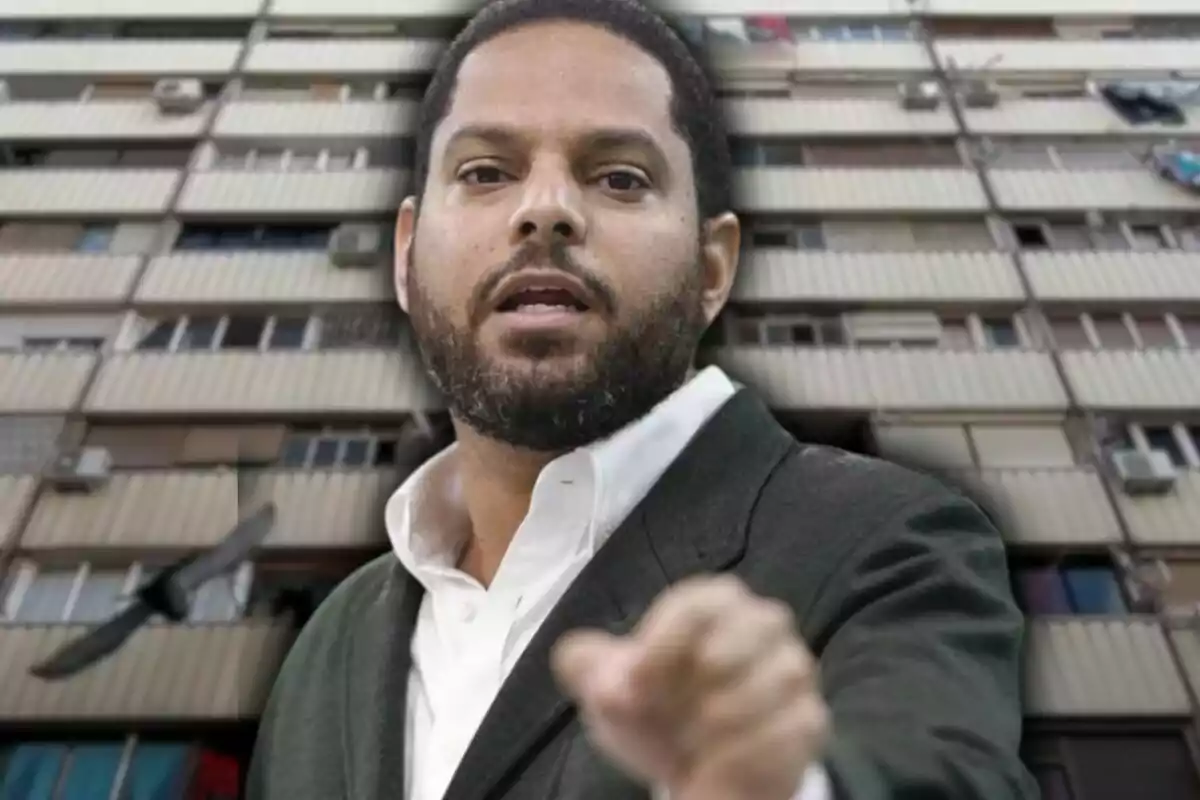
(624, 377)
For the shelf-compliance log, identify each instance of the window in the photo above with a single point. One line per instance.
(766, 236)
(156, 772)
(1000, 332)
(96, 238)
(331, 449)
(235, 332)
(1070, 588)
(1148, 237)
(68, 343)
(1154, 332)
(1112, 332)
(32, 772)
(1031, 235)
(89, 770)
(1163, 438)
(254, 237)
(766, 152)
(1069, 333)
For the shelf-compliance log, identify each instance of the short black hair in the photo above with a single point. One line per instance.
(696, 115)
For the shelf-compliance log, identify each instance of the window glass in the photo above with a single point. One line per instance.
(1164, 439)
(91, 771)
(156, 772)
(1093, 590)
(1040, 590)
(98, 597)
(32, 772)
(45, 600)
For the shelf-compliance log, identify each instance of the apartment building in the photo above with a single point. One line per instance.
(962, 250)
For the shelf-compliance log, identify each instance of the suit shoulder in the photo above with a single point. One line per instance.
(873, 487)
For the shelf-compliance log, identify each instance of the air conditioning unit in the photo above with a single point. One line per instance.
(1144, 473)
(920, 95)
(355, 245)
(178, 95)
(980, 94)
(84, 471)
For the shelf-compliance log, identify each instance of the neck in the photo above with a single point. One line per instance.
(497, 483)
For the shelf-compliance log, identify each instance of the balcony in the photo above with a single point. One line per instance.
(833, 190)
(42, 383)
(251, 277)
(168, 510)
(862, 379)
(1073, 56)
(764, 117)
(344, 57)
(1105, 190)
(126, 10)
(1047, 507)
(768, 275)
(779, 60)
(104, 192)
(240, 384)
(362, 191)
(1135, 380)
(1099, 276)
(1062, 9)
(33, 280)
(119, 59)
(1102, 667)
(1168, 520)
(282, 118)
(1063, 117)
(1187, 640)
(15, 493)
(68, 120)
(371, 9)
(171, 673)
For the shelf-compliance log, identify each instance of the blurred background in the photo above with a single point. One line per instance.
(972, 245)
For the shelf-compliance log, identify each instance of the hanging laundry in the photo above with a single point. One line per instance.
(769, 28)
(1177, 165)
(1139, 104)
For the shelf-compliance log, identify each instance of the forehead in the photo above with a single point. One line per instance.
(562, 77)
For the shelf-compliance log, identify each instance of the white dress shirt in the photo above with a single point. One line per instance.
(468, 637)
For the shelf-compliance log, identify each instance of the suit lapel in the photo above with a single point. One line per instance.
(379, 735)
(692, 521)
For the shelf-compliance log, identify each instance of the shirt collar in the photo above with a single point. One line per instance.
(620, 470)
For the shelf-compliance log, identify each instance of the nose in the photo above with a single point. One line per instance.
(550, 210)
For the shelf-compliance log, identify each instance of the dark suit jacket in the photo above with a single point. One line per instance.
(898, 584)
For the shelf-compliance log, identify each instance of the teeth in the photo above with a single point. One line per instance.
(542, 308)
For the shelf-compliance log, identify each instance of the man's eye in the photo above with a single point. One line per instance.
(482, 175)
(623, 181)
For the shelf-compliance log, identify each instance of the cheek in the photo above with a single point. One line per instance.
(651, 261)
(447, 264)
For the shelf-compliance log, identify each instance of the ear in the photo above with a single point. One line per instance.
(719, 256)
(406, 227)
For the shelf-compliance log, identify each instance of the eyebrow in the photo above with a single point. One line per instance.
(597, 139)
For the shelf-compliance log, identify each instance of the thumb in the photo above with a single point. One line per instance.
(589, 662)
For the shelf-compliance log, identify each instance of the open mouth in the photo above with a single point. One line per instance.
(542, 300)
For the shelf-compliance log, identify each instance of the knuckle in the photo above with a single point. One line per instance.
(776, 614)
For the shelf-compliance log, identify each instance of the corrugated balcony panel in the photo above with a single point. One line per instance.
(15, 493)
(1131, 380)
(1126, 276)
(64, 121)
(330, 382)
(61, 279)
(219, 671)
(1101, 667)
(230, 278)
(1115, 190)
(890, 57)
(328, 509)
(1168, 520)
(364, 118)
(119, 58)
(1017, 116)
(1051, 506)
(877, 277)
(1073, 56)
(42, 382)
(387, 9)
(154, 509)
(359, 191)
(770, 117)
(127, 9)
(28, 192)
(877, 379)
(344, 57)
(775, 189)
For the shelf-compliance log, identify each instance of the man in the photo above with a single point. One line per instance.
(621, 580)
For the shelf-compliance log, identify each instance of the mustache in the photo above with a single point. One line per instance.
(534, 253)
